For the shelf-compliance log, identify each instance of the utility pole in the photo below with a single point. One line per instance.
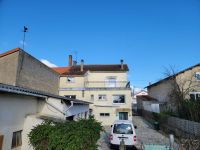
(25, 30)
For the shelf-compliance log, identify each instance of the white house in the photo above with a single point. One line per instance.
(21, 109)
(134, 100)
(147, 103)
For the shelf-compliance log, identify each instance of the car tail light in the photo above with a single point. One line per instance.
(134, 138)
(111, 137)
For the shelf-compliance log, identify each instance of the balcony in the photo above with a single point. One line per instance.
(107, 84)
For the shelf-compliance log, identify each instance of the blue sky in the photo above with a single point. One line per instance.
(148, 34)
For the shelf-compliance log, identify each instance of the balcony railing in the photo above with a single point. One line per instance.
(107, 84)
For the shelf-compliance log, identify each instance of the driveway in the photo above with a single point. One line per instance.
(103, 142)
(145, 134)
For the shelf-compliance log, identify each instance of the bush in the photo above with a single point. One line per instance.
(68, 135)
(190, 110)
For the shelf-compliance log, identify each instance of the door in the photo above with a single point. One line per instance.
(123, 115)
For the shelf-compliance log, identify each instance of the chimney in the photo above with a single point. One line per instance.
(82, 63)
(70, 60)
(74, 63)
(122, 64)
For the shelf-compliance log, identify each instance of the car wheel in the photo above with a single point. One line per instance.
(111, 146)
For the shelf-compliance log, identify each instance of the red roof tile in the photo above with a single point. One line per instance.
(61, 70)
(9, 52)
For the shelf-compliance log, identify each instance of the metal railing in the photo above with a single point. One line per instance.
(107, 84)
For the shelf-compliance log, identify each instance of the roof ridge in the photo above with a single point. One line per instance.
(10, 52)
(174, 75)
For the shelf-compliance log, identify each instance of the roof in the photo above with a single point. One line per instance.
(35, 93)
(76, 70)
(10, 52)
(170, 77)
(146, 98)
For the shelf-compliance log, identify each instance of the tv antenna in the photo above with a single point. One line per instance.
(25, 30)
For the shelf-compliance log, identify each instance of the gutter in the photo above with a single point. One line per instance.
(54, 106)
(72, 104)
(65, 112)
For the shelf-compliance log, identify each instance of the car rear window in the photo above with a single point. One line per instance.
(122, 129)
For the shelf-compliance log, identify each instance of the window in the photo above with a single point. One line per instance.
(70, 79)
(92, 97)
(123, 129)
(195, 95)
(197, 76)
(71, 96)
(83, 93)
(17, 139)
(86, 115)
(90, 112)
(110, 82)
(118, 99)
(123, 115)
(104, 114)
(102, 97)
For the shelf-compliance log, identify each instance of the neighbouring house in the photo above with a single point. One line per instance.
(147, 103)
(134, 99)
(106, 86)
(19, 68)
(29, 95)
(187, 80)
(21, 109)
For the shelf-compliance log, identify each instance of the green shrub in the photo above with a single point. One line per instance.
(160, 117)
(68, 135)
(190, 110)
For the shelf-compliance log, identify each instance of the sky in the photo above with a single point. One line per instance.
(150, 35)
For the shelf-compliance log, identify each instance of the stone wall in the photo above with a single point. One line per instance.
(35, 75)
(175, 125)
(187, 126)
(8, 68)
(21, 69)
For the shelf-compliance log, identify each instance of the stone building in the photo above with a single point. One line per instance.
(19, 68)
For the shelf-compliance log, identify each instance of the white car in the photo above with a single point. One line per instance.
(123, 130)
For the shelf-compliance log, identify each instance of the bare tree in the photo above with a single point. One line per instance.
(181, 86)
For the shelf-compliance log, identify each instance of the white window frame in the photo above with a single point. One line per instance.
(197, 76)
(17, 134)
(102, 97)
(110, 81)
(195, 94)
(119, 95)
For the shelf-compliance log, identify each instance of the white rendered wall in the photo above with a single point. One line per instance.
(13, 112)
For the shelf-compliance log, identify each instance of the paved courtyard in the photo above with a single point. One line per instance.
(145, 134)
